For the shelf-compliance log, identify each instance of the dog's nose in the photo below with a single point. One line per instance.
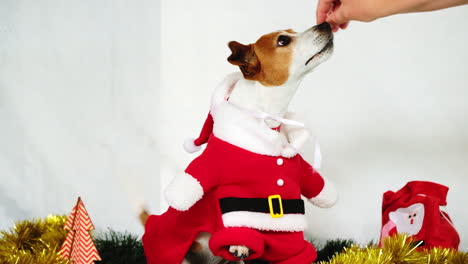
(324, 27)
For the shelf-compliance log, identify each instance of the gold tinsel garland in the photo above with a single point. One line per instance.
(398, 250)
(36, 241)
(39, 242)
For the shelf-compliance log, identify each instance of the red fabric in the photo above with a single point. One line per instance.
(278, 128)
(168, 236)
(436, 231)
(274, 247)
(221, 240)
(225, 170)
(206, 131)
(237, 172)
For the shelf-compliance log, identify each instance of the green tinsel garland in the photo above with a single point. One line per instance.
(332, 247)
(39, 241)
(120, 248)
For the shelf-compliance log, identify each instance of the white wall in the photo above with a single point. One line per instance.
(388, 108)
(78, 94)
(85, 112)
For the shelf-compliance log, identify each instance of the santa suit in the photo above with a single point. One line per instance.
(242, 191)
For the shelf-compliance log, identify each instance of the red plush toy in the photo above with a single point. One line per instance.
(415, 210)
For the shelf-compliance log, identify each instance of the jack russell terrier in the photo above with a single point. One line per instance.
(242, 196)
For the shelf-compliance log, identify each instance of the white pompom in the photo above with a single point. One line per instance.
(190, 147)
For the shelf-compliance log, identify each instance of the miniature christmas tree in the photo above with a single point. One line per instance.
(79, 247)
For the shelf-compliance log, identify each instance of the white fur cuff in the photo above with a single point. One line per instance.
(327, 197)
(190, 147)
(183, 192)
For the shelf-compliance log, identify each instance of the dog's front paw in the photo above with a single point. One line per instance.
(289, 152)
(241, 252)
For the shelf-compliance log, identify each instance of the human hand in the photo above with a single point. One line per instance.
(325, 8)
(338, 13)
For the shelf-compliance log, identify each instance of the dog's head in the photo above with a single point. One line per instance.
(281, 56)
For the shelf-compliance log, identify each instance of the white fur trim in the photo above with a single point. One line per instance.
(264, 222)
(317, 156)
(239, 128)
(190, 146)
(327, 197)
(297, 136)
(289, 151)
(224, 87)
(248, 132)
(242, 130)
(183, 192)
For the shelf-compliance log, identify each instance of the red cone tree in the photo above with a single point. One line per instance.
(79, 246)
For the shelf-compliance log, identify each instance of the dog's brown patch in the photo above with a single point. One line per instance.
(275, 60)
(245, 57)
(196, 247)
(264, 61)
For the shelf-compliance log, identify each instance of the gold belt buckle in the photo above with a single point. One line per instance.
(270, 204)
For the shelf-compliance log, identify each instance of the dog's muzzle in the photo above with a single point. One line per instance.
(324, 49)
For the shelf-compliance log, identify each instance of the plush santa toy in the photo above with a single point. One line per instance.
(415, 210)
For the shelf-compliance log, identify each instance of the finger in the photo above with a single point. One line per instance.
(337, 17)
(334, 27)
(344, 26)
(323, 7)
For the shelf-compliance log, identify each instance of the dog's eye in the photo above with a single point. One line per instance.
(283, 40)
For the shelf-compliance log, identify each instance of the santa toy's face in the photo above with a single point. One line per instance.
(408, 220)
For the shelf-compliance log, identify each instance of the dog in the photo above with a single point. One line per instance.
(236, 191)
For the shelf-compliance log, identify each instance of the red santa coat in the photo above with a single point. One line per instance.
(230, 171)
(242, 160)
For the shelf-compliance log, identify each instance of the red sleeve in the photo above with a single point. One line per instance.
(206, 169)
(311, 181)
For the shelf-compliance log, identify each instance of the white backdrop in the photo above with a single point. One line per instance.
(389, 107)
(97, 97)
(78, 95)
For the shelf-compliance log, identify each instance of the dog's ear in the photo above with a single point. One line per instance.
(244, 56)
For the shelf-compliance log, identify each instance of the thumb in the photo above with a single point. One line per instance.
(337, 17)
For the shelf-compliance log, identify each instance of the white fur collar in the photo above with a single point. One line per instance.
(245, 131)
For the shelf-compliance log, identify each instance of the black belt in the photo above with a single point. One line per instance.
(273, 205)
